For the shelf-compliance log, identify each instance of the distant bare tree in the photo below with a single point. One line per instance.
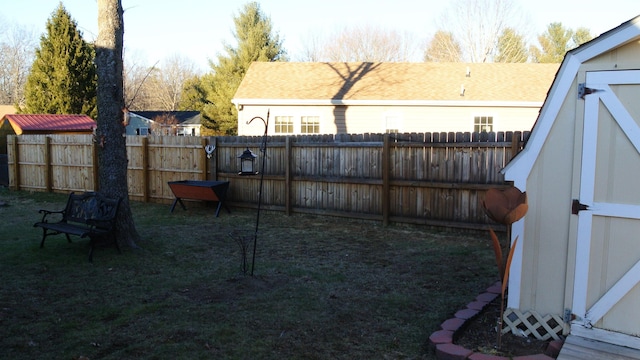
(477, 24)
(512, 47)
(168, 81)
(17, 51)
(164, 124)
(313, 48)
(157, 87)
(136, 73)
(443, 47)
(362, 43)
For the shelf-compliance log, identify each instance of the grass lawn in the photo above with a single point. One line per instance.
(323, 287)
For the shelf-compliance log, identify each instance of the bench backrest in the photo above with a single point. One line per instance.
(92, 208)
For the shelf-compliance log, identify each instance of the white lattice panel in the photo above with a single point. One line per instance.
(532, 324)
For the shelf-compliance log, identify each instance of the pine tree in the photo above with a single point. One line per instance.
(63, 77)
(556, 41)
(581, 36)
(256, 42)
(193, 96)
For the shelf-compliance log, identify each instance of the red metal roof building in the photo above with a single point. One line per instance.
(49, 123)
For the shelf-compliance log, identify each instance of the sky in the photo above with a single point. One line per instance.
(156, 30)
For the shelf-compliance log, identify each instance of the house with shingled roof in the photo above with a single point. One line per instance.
(180, 123)
(361, 97)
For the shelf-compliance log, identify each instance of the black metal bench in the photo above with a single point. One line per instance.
(89, 214)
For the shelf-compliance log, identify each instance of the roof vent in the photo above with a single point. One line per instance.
(462, 90)
(468, 73)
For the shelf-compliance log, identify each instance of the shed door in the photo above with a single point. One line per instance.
(606, 289)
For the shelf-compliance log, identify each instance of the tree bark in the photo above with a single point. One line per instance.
(112, 152)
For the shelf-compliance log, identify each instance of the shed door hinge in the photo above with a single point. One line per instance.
(584, 90)
(576, 207)
(568, 316)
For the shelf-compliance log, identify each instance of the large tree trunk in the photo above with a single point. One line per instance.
(112, 154)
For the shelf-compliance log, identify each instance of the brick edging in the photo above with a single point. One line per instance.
(443, 339)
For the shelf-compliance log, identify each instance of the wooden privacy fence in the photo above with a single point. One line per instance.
(432, 178)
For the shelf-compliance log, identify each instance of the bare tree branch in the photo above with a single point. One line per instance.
(17, 51)
(477, 24)
(365, 43)
(443, 47)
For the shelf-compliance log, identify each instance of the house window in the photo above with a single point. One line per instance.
(284, 124)
(310, 125)
(142, 131)
(483, 123)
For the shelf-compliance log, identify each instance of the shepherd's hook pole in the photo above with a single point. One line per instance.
(263, 149)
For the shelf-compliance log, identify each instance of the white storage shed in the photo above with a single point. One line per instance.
(576, 267)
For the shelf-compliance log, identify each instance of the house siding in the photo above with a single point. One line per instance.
(135, 123)
(371, 119)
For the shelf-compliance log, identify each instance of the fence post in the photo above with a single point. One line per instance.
(96, 165)
(204, 158)
(47, 163)
(214, 157)
(16, 163)
(386, 158)
(145, 169)
(287, 176)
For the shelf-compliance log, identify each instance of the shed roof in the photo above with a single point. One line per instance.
(50, 123)
(519, 168)
(396, 81)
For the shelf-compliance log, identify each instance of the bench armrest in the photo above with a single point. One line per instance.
(46, 213)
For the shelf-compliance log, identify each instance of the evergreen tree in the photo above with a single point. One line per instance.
(556, 41)
(256, 42)
(512, 47)
(581, 36)
(193, 95)
(63, 78)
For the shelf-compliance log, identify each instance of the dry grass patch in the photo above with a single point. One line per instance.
(322, 288)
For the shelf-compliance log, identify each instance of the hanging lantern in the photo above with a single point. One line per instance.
(247, 162)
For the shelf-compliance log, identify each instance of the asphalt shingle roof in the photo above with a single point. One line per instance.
(397, 81)
(185, 117)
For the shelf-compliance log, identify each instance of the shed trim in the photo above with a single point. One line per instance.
(520, 167)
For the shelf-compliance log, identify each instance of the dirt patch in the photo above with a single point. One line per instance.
(480, 335)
